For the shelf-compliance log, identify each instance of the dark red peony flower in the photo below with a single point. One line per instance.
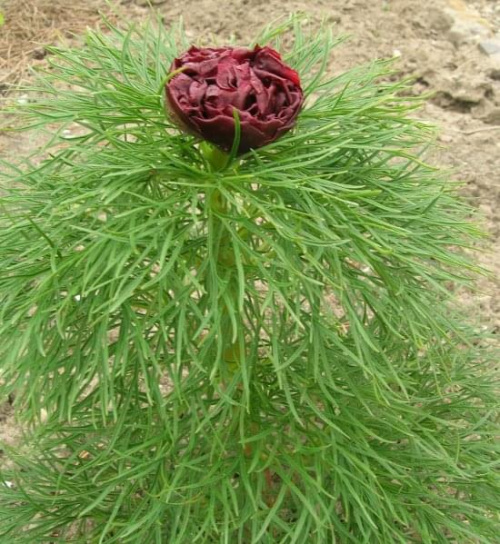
(214, 82)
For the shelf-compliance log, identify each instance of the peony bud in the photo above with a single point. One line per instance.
(213, 83)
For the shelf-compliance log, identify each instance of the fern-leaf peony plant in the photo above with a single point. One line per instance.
(252, 342)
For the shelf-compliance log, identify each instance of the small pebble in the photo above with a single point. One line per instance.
(39, 54)
(445, 138)
(490, 47)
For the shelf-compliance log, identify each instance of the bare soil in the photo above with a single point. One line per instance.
(436, 40)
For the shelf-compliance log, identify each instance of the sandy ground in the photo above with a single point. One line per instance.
(438, 41)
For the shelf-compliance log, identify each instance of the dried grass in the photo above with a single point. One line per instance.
(32, 24)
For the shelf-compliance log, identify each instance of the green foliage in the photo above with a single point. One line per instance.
(262, 351)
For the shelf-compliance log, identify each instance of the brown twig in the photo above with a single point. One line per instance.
(484, 129)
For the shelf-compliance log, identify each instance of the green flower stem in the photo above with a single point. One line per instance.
(218, 160)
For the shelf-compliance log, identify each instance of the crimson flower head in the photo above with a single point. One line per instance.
(214, 82)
